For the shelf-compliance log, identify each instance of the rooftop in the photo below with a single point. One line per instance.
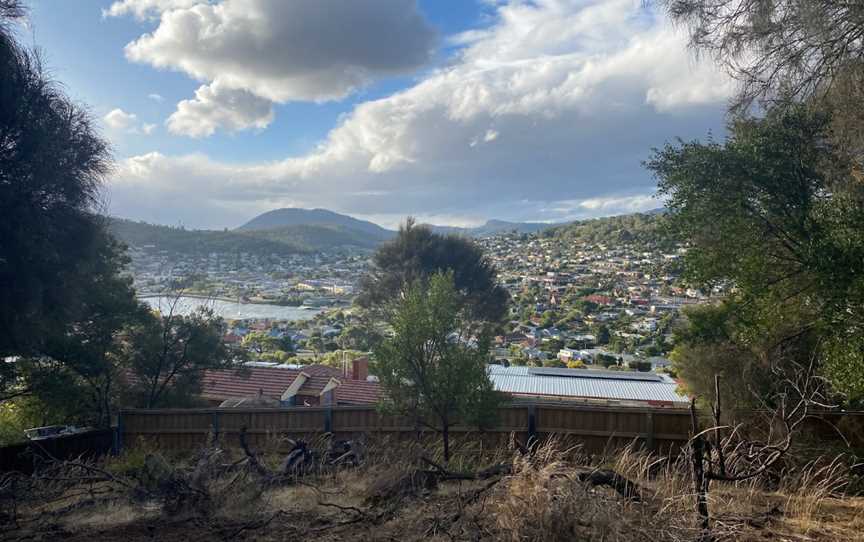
(613, 386)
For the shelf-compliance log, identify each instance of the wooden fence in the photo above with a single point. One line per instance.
(26, 456)
(596, 428)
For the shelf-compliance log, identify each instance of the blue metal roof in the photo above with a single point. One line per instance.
(586, 383)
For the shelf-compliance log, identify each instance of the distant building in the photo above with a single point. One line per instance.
(272, 384)
(587, 386)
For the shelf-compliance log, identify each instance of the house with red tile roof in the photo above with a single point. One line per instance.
(308, 385)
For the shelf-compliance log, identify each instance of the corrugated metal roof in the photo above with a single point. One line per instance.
(594, 373)
(581, 383)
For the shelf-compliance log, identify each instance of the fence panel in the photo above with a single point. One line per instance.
(597, 429)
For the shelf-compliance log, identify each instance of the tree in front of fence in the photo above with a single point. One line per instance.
(168, 354)
(433, 368)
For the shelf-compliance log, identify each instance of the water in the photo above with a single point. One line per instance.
(230, 310)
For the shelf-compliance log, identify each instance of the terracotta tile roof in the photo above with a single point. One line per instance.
(358, 392)
(315, 385)
(273, 381)
(226, 384)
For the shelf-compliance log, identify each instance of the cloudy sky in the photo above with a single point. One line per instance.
(451, 111)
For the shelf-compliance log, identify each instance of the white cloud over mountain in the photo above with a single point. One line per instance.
(544, 115)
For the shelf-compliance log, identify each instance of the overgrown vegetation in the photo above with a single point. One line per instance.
(399, 491)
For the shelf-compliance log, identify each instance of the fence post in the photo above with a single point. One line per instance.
(532, 423)
(214, 425)
(117, 444)
(328, 420)
(649, 430)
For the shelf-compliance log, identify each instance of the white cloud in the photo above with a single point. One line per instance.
(146, 9)
(121, 121)
(117, 119)
(277, 50)
(156, 97)
(214, 107)
(556, 102)
(606, 205)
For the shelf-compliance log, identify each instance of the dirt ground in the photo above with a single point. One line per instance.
(294, 513)
(538, 498)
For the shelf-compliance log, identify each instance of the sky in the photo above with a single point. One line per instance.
(451, 111)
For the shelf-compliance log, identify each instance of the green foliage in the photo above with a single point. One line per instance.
(638, 365)
(21, 413)
(417, 253)
(362, 336)
(337, 357)
(260, 342)
(601, 333)
(429, 370)
(52, 163)
(644, 230)
(716, 340)
(607, 361)
(774, 212)
(169, 353)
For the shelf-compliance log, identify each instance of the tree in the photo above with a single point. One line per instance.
(416, 254)
(316, 344)
(88, 348)
(433, 369)
(777, 48)
(260, 342)
(763, 214)
(362, 336)
(601, 333)
(52, 164)
(169, 353)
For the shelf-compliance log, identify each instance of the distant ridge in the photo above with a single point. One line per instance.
(285, 240)
(291, 216)
(494, 227)
(294, 230)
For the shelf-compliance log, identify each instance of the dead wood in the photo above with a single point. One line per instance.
(604, 477)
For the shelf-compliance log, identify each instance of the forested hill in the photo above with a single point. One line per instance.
(634, 229)
(279, 219)
(285, 240)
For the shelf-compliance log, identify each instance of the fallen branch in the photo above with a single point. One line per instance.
(252, 457)
(609, 478)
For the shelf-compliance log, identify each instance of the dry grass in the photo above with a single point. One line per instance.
(392, 497)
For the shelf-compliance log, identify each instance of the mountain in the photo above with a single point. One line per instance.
(281, 218)
(303, 238)
(494, 227)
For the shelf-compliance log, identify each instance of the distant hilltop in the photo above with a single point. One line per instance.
(281, 218)
(295, 230)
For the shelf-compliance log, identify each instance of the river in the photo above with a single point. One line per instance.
(229, 309)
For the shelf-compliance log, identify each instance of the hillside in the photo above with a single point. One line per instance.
(283, 218)
(637, 228)
(281, 241)
(494, 227)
